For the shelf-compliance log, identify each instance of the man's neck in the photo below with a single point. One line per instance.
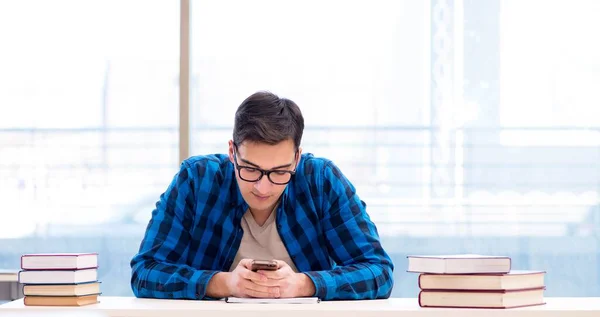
(261, 216)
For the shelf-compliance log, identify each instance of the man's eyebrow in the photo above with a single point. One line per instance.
(256, 165)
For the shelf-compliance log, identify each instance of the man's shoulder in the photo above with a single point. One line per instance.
(312, 165)
(309, 159)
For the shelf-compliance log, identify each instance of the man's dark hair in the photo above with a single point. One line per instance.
(264, 117)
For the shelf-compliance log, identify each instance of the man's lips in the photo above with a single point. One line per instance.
(261, 196)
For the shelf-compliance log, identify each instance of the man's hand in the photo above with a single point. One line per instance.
(289, 283)
(242, 282)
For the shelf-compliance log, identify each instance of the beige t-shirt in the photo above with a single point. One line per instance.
(261, 242)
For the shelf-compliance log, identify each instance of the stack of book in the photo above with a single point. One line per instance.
(475, 281)
(60, 279)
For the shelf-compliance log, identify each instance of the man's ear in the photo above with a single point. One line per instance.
(299, 154)
(231, 151)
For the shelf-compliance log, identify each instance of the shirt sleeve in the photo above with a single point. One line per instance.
(159, 270)
(364, 270)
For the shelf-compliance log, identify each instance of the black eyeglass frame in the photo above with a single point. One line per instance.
(263, 172)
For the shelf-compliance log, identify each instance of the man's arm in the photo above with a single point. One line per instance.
(217, 287)
(365, 269)
(159, 269)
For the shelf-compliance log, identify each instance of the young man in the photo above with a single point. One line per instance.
(265, 200)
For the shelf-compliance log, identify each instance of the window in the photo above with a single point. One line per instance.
(466, 126)
(88, 127)
(460, 132)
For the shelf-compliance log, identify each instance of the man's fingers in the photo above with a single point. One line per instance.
(283, 269)
(260, 289)
(268, 282)
(281, 264)
(247, 263)
(253, 276)
(274, 275)
(256, 294)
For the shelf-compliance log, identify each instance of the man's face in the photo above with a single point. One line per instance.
(262, 195)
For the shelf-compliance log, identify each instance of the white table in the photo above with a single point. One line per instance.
(396, 307)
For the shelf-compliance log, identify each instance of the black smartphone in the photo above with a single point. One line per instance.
(266, 265)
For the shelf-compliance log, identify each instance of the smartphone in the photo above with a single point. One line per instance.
(266, 265)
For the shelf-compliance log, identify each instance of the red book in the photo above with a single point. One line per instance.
(59, 261)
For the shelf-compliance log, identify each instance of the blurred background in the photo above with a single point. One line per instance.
(467, 126)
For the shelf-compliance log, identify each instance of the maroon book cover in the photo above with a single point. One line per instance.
(480, 291)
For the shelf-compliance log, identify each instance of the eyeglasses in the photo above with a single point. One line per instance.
(254, 174)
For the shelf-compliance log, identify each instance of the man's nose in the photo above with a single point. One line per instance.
(263, 185)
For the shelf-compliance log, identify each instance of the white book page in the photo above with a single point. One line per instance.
(297, 300)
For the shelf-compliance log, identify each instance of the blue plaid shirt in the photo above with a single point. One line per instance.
(195, 232)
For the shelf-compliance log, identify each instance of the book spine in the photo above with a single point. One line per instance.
(486, 307)
(497, 291)
(61, 268)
